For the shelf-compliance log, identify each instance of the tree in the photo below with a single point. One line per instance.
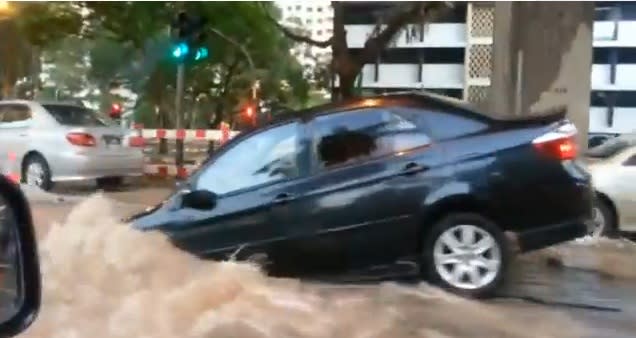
(127, 45)
(347, 65)
(33, 26)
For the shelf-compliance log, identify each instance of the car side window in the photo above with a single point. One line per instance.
(268, 156)
(14, 115)
(443, 125)
(356, 136)
(631, 161)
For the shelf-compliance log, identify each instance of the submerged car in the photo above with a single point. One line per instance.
(409, 182)
(54, 142)
(613, 169)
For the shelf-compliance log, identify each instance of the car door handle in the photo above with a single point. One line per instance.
(283, 198)
(413, 168)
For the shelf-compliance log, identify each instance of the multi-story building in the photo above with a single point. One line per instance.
(452, 57)
(313, 19)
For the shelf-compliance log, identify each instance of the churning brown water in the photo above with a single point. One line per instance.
(102, 279)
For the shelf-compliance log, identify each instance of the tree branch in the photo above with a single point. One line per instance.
(241, 47)
(297, 37)
(379, 39)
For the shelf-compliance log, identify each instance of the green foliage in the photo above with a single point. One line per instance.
(44, 23)
(91, 47)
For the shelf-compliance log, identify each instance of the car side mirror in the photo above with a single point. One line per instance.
(199, 199)
(20, 280)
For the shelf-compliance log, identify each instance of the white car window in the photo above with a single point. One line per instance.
(266, 157)
(14, 116)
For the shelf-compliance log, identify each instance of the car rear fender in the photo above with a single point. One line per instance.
(440, 205)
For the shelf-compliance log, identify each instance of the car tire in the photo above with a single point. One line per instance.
(604, 219)
(471, 268)
(110, 183)
(36, 172)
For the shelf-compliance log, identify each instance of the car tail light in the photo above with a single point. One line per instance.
(559, 143)
(136, 141)
(81, 139)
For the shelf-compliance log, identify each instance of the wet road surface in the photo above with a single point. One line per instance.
(601, 304)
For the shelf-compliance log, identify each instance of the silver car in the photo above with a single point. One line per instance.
(44, 143)
(613, 169)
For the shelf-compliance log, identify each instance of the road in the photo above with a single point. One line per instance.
(544, 300)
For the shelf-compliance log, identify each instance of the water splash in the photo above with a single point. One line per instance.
(102, 279)
(609, 257)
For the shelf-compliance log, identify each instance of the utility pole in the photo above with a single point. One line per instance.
(177, 111)
(542, 59)
(188, 31)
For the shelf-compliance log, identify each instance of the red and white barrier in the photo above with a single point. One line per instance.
(170, 170)
(222, 134)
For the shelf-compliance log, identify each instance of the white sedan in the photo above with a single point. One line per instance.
(613, 169)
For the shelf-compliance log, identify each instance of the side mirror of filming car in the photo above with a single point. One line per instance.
(199, 200)
(20, 281)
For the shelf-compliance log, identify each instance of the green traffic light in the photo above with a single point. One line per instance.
(202, 53)
(180, 50)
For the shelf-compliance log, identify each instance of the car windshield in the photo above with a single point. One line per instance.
(76, 116)
(612, 147)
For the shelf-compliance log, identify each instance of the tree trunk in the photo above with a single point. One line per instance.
(347, 82)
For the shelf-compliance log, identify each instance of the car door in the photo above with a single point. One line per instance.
(15, 121)
(626, 194)
(250, 178)
(349, 205)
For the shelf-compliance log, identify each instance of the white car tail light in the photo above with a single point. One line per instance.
(81, 139)
(559, 143)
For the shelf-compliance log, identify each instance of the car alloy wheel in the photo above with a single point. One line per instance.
(35, 174)
(600, 223)
(467, 257)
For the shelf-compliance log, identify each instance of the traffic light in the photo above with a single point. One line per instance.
(115, 110)
(249, 113)
(180, 50)
(201, 53)
(188, 33)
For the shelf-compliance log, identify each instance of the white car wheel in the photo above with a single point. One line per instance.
(35, 174)
(600, 223)
(467, 254)
(467, 257)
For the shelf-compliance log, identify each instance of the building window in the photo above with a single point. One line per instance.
(329, 30)
(297, 7)
(309, 21)
(319, 20)
(289, 8)
(318, 32)
(319, 9)
(309, 9)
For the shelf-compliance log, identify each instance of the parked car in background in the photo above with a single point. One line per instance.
(596, 139)
(364, 187)
(613, 169)
(59, 142)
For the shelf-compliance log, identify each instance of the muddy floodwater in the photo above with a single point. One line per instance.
(102, 279)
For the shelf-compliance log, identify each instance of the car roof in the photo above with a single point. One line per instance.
(61, 103)
(421, 98)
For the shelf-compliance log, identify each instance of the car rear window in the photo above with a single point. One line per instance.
(76, 116)
(443, 125)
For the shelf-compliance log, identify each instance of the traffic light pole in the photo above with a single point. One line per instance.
(177, 110)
